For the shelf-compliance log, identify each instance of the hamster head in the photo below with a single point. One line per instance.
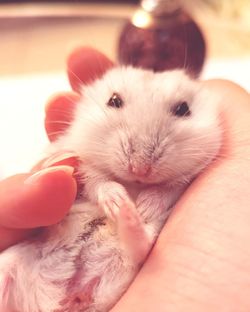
(138, 126)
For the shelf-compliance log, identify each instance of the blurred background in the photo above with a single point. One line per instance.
(37, 36)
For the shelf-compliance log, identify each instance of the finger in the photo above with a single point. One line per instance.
(66, 158)
(41, 199)
(9, 237)
(201, 261)
(85, 65)
(63, 158)
(59, 114)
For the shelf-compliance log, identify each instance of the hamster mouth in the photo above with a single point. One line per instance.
(137, 180)
(146, 181)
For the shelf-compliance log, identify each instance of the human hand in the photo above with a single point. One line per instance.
(201, 260)
(44, 196)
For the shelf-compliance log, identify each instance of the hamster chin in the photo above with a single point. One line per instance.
(158, 176)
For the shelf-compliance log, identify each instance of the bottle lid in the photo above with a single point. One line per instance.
(157, 13)
(161, 7)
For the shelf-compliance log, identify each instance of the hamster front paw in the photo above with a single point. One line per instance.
(111, 197)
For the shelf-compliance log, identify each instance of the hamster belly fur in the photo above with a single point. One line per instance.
(77, 265)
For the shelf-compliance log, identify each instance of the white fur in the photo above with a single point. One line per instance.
(47, 273)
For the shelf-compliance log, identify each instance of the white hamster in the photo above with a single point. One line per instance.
(142, 137)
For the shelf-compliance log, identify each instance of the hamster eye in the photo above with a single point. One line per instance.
(182, 109)
(115, 101)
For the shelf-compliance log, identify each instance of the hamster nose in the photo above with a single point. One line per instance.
(140, 170)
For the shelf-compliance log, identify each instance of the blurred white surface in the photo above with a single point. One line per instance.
(237, 70)
(22, 101)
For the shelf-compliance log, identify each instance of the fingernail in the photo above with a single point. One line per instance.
(36, 176)
(58, 158)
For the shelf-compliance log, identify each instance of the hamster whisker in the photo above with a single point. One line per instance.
(57, 133)
(123, 73)
(63, 112)
(62, 122)
(74, 74)
(92, 97)
(185, 62)
(103, 68)
(109, 84)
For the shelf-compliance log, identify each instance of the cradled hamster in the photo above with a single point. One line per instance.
(142, 137)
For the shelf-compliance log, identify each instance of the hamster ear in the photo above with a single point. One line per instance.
(59, 114)
(85, 65)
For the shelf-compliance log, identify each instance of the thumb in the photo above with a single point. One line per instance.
(41, 199)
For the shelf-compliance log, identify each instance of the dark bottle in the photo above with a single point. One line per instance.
(160, 36)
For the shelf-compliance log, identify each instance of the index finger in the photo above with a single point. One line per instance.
(28, 201)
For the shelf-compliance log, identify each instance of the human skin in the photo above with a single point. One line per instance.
(201, 260)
